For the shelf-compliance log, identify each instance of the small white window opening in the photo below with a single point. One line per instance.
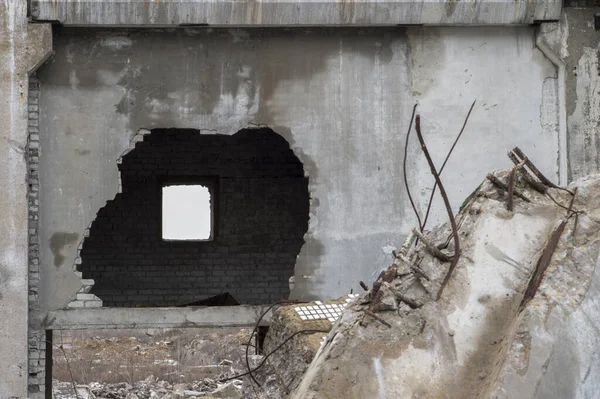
(186, 212)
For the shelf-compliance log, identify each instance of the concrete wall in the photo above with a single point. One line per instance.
(575, 43)
(341, 98)
(22, 49)
(259, 199)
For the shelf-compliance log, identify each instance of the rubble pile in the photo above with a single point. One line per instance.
(150, 388)
(500, 303)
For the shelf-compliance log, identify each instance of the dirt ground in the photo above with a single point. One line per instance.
(173, 355)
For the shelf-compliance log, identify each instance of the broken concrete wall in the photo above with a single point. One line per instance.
(493, 333)
(341, 98)
(259, 197)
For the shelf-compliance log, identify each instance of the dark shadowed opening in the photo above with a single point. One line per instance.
(259, 204)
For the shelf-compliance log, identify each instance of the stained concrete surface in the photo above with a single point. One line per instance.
(284, 13)
(342, 99)
(22, 49)
(113, 318)
(576, 43)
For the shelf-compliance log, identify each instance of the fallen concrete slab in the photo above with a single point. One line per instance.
(519, 317)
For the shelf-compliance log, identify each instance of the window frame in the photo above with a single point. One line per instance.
(211, 183)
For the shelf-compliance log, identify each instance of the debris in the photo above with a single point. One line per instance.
(229, 391)
(504, 187)
(432, 248)
(511, 183)
(492, 324)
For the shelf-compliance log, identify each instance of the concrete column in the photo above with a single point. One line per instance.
(573, 44)
(23, 48)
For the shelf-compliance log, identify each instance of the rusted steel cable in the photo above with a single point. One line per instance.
(446, 203)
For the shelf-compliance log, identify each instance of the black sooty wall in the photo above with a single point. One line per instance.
(260, 197)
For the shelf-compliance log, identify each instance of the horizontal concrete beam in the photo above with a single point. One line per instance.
(162, 13)
(118, 318)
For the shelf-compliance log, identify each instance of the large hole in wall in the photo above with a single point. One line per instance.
(259, 202)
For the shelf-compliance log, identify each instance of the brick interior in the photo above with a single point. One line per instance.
(261, 214)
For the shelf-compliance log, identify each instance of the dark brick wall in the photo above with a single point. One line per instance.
(261, 203)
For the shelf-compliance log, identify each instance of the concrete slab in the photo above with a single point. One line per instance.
(289, 13)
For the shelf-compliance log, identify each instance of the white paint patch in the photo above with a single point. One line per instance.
(116, 43)
(379, 374)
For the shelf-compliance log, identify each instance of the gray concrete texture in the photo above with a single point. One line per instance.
(22, 48)
(342, 99)
(576, 44)
(113, 318)
(287, 13)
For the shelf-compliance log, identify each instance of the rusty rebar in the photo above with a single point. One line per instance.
(511, 183)
(432, 248)
(416, 269)
(527, 176)
(537, 172)
(456, 256)
(444, 164)
(410, 198)
(379, 319)
(500, 184)
(545, 259)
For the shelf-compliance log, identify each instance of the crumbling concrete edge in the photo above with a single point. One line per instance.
(83, 298)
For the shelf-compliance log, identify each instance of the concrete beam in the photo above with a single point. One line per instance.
(120, 318)
(291, 13)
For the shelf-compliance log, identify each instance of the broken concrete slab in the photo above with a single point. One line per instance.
(489, 335)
